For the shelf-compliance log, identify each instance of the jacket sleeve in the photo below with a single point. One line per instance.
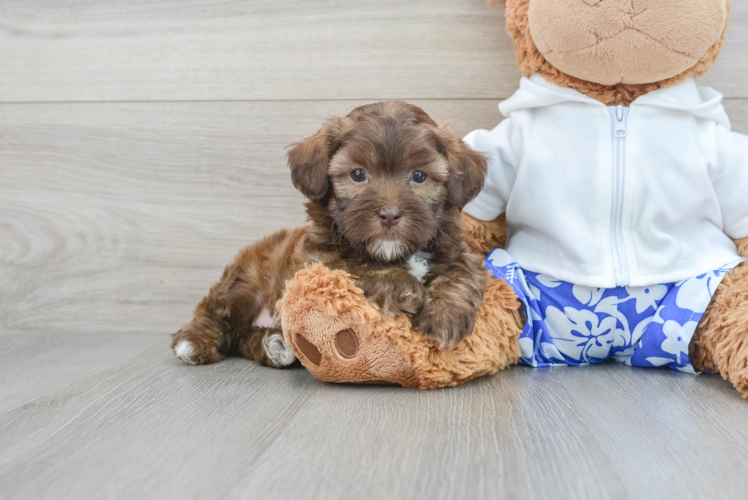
(731, 181)
(498, 145)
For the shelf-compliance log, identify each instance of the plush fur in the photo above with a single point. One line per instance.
(321, 306)
(385, 186)
(720, 343)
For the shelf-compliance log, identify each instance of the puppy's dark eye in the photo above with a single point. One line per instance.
(418, 177)
(359, 175)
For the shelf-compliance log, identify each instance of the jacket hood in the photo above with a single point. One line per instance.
(702, 102)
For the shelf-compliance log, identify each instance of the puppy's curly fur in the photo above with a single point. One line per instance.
(385, 185)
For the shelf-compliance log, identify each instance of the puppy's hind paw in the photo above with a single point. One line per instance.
(276, 350)
(191, 354)
(185, 351)
(195, 345)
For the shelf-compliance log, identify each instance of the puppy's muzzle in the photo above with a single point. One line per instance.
(390, 216)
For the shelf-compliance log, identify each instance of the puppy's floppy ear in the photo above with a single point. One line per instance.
(309, 158)
(467, 167)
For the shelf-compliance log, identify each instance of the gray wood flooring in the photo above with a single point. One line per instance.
(142, 144)
(116, 416)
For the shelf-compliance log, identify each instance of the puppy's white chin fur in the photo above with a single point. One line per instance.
(387, 250)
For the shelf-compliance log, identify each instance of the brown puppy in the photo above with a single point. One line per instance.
(386, 186)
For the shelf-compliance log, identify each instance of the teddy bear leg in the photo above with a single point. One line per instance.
(337, 334)
(720, 343)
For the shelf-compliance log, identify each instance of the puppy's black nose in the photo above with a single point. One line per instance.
(390, 216)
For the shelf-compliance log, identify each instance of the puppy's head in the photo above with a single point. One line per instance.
(387, 175)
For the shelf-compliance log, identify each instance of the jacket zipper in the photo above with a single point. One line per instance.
(619, 116)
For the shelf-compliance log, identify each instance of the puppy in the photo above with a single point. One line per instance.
(385, 186)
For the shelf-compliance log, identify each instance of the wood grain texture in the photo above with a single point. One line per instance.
(261, 49)
(680, 420)
(165, 50)
(118, 217)
(140, 425)
(143, 143)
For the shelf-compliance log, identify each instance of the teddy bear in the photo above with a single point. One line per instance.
(614, 217)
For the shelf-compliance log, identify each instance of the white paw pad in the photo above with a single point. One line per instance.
(185, 351)
(277, 351)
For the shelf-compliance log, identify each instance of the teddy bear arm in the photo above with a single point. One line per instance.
(482, 237)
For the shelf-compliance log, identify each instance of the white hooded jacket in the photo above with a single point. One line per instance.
(612, 196)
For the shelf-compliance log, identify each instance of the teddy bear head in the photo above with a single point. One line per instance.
(616, 50)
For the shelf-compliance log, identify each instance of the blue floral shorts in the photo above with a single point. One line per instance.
(579, 325)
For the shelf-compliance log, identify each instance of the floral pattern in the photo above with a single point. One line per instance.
(576, 325)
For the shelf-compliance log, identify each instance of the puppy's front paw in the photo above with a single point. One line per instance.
(443, 323)
(400, 295)
(410, 295)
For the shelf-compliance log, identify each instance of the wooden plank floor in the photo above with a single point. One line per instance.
(116, 416)
(115, 50)
(142, 144)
